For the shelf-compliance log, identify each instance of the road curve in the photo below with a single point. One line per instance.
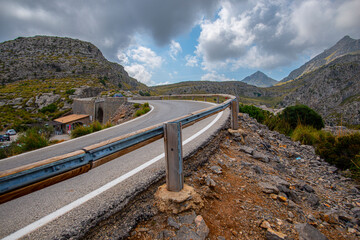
(163, 111)
(67, 208)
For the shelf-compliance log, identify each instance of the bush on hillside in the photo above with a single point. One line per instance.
(49, 108)
(301, 114)
(259, 114)
(340, 151)
(308, 135)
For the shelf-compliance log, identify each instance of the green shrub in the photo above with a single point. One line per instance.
(107, 125)
(32, 140)
(81, 131)
(139, 112)
(306, 135)
(301, 114)
(146, 109)
(341, 151)
(254, 112)
(136, 105)
(146, 105)
(70, 91)
(49, 108)
(96, 126)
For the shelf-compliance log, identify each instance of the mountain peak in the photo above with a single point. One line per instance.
(344, 46)
(259, 79)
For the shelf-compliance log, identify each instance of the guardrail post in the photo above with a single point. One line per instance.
(173, 156)
(234, 114)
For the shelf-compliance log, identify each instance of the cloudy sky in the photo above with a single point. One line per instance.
(168, 41)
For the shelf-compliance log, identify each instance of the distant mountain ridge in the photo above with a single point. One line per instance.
(328, 83)
(259, 79)
(345, 46)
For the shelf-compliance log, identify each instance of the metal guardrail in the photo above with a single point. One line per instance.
(25, 179)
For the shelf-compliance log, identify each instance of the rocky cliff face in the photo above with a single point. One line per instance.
(259, 79)
(44, 57)
(332, 90)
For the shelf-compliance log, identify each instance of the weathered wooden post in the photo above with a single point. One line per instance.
(234, 114)
(217, 99)
(173, 156)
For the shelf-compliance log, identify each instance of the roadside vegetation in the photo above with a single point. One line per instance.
(142, 109)
(31, 139)
(93, 127)
(303, 124)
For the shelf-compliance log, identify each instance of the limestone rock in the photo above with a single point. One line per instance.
(268, 188)
(274, 235)
(46, 99)
(308, 232)
(177, 202)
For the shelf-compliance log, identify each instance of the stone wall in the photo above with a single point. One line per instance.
(100, 109)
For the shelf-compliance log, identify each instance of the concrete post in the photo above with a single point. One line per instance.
(173, 157)
(217, 99)
(234, 114)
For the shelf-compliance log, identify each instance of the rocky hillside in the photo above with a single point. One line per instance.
(345, 46)
(41, 75)
(44, 57)
(259, 79)
(232, 87)
(333, 90)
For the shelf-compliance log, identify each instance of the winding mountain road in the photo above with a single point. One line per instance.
(69, 207)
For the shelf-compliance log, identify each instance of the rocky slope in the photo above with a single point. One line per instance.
(345, 46)
(261, 185)
(44, 57)
(259, 79)
(332, 90)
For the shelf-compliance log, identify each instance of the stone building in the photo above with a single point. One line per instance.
(98, 109)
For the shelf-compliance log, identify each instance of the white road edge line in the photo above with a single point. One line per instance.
(52, 216)
(107, 129)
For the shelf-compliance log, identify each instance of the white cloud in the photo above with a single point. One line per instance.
(268, 34)
(191, 61)
(309, 21)
(175, 49)
(139, 72)
(139, 62)
(123, 58)
(145, 56)
(163, 83)
(213, 76)
(347, 15)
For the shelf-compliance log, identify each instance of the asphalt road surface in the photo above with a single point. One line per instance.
(65, 209)
(163, 111)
